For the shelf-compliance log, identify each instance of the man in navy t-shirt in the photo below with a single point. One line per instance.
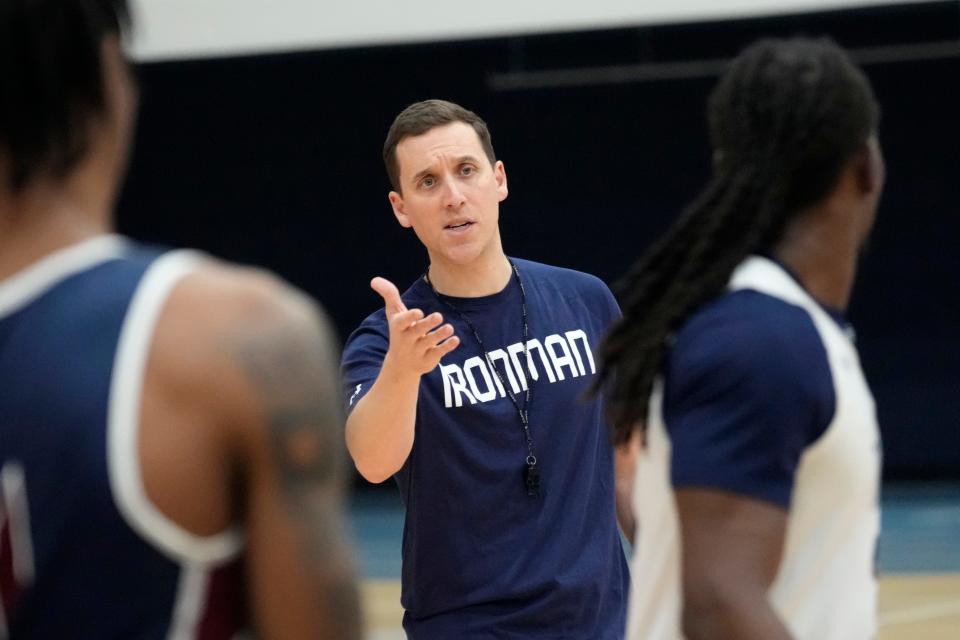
(502, 460)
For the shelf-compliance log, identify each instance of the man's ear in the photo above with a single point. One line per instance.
(870, 169)
(500, 175)
(396, 202)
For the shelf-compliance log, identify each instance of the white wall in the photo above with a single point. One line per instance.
(202, 28)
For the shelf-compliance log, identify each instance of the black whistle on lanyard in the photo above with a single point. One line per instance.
(531, 476)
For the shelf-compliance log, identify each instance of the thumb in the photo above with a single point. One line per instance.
(390, 294)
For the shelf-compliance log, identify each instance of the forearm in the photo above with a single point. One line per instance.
(625, 468)
(380, 429)
(727, 615)
(299, 567)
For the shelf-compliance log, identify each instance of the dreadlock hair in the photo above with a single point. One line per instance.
(784, 119)
(51, 82)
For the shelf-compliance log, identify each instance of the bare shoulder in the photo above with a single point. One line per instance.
(244, 344)
(254, 363)
(218, 297)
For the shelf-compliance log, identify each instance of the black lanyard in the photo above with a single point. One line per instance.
(531, 474)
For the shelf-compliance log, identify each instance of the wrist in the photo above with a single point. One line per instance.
(396, 372)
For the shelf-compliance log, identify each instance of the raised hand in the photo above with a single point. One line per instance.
(417, 343)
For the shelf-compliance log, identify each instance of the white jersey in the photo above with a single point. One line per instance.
(826, 585)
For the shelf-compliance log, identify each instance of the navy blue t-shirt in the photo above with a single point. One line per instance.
(481, 558)
(747, 389)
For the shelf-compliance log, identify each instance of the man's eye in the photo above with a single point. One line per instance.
(467, 170)
(427, 182)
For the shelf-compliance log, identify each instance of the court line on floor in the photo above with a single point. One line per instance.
(920, 613)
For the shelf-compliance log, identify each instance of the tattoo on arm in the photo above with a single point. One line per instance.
(293, 366)
(294, 372)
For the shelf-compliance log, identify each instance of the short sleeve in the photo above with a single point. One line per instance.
(611, 302)
(748, 389)
(602, 303)
(363, 357)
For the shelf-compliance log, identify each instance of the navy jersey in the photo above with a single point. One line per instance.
(481, 558)
(83, 553)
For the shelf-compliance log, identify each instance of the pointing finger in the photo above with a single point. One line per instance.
(390, 294)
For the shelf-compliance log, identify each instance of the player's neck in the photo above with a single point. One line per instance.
(41, 221)
(482, 277)
(823, 257)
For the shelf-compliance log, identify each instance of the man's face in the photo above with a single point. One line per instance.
(450, 193)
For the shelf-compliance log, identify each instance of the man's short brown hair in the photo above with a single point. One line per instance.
(421, 117)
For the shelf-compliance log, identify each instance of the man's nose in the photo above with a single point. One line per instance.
(452, 194)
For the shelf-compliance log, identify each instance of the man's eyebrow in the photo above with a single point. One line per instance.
(423, 172)
(460, 160)
(468, 158)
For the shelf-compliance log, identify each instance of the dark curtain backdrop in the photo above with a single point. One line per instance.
(275, 161)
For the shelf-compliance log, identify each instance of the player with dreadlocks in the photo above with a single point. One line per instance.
(757, 483)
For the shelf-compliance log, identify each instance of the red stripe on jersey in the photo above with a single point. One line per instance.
(224, 611)
(9, 590)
